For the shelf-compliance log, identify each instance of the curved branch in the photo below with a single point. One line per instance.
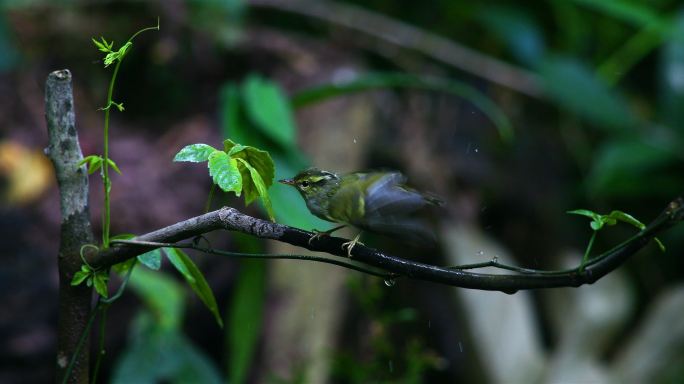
(232, 219)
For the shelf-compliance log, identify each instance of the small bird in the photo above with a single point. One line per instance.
(374, 201)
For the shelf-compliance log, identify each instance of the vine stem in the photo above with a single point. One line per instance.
(105, 166)
(106, 181)
(587, 251)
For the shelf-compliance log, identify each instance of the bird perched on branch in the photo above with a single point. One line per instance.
(374, 201)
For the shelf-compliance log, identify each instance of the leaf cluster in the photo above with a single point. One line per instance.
(237, 168)
(111, 55)
(598, 221)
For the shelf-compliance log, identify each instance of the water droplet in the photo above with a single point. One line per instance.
(477, 150)
(389, 282)
(354, 141)
(480, 252)
(391, 366)
(495, 259)
(460, 347)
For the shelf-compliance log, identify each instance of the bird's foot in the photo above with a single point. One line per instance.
(350, 244)
(319, 234)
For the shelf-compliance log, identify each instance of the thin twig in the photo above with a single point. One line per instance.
(283, 256)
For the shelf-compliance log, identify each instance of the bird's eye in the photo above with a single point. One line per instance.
(304, 184)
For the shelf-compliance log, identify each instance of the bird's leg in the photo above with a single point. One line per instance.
(350, 244)
(320, 234)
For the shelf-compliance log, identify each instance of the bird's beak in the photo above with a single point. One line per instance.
(287, 181)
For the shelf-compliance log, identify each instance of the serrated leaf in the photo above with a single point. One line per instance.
(113, 165)
(260, 187)
(199, 284)
(259, 160)
(177, 262)
(195, 153)
(151, 259)
(100, 280)
(79, 277)
(225, 172)
(269, 110)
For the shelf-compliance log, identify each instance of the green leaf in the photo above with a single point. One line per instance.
(629, 219)
(195, 153)
(403, 80)
(94, 163)
(515, 27)
(100, 280)
(224, 170)
(621, 166)
(671, 66)
(246, 318)
(113, 165)
(597, 220)
(259, 160)
(151, 259)
(269, 110)
(177, 262)
(260, 187)
(156, 354)
(199, 283)
(79, 277)
(123, 267)
(163, 295)
(577, 88)
(626, 218)
(102, 46)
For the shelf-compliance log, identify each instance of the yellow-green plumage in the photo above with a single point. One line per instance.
(373, 201)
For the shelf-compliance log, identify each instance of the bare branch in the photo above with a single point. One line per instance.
(232, 219)
(65, 153)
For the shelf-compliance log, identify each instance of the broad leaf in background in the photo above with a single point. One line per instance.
(575, 87)
(162, 295)
(672, 79)
(520, 32)
(269, 110)
(631, 168)
(195, 279)
(245, 317)
(156, 354)
(382, 80)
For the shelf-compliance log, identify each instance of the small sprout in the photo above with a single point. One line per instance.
(113, 165)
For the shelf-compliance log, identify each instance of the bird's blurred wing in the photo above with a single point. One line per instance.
(386, 196)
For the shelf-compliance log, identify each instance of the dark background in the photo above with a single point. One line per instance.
(597, 124)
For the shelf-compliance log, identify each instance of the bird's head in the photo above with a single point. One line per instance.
(311, 182)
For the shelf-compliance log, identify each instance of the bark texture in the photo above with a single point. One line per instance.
(65, 153)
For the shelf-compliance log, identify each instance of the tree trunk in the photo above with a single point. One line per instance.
(65, 153)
